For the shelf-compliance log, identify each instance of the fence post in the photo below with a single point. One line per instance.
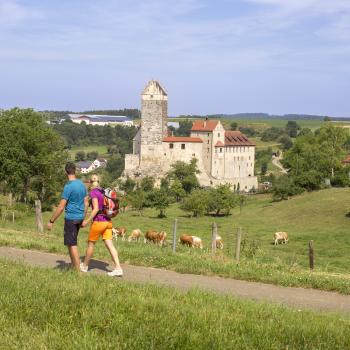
(39, 216)
(10, 200)
(174, 235)
(238, 244)
(214, 233)
(311, 255)
(13, 217)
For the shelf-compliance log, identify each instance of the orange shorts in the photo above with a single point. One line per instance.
(100, 228)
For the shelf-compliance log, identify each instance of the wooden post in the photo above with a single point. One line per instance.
(13, 217)
(311, 255)
(214, 233)
(238, 244)
(10, 200)
(39, 216)
(174, 235)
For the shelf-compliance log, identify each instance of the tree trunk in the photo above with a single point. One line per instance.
(25, 190)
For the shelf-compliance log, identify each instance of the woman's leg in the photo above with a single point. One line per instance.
(114, 254)
(89, 252)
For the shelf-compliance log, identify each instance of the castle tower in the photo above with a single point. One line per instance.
(154, 116)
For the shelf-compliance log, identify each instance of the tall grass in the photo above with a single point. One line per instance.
(45, 309)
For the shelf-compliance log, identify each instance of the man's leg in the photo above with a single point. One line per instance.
(74, 257)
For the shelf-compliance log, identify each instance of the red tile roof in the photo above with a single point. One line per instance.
(182, 139)
(236, 138)
(204, 125)
(346, 160)
(219, 144)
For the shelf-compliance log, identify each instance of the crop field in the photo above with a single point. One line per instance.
(101, 149)
(319, 216)
(50, 309)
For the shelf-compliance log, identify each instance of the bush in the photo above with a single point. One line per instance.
(285, 187)
(196, 203)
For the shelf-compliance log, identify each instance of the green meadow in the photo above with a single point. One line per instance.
(318, 216)
(52, 309)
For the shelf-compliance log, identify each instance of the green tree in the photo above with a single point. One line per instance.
(286, 142)
(138, 200)
(221, 199)
(184, 128)
(272, 134)
(147, 184)
(233, 126)
(128, 185)
(93, 155)
(159, 199)
(292, 128)
(32, 155)
(177, 191)
(185, 173)
(285, 187)
(196, 202)
(80, 156)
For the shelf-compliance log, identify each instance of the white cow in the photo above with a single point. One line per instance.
(281, 237)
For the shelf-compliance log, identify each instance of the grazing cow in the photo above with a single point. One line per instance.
(219, 243)
(119, 232)
(135, 235)
(197, 242)
(281, 237)
(155, 237)
(186, 240)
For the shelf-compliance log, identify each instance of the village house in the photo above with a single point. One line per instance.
(86, 167)
(223, 157)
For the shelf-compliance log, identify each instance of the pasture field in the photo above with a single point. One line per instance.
(50, 309)
(101, 149)
(318, 216)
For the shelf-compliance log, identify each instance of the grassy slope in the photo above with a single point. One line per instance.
(61, 310)
(319, 216)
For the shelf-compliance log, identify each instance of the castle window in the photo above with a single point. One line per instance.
(193, 154)
(220, 150)
(165, 154)
(218, 134)
(171, 145)
(208, 134)
(208, 149)
(249, 157)
(183, 146)
(208, 141)
(151, 96)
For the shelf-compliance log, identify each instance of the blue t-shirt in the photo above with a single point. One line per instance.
(74, 193)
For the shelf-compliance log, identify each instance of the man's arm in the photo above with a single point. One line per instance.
(86, 204)
(59, 210)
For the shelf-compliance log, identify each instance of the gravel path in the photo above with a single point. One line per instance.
(300, 298)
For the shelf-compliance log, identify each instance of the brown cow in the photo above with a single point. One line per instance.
(186, 240)
(281, 236)
(155, 237)
(119, 232)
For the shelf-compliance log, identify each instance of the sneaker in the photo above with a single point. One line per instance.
(116, 273)
(83, 268)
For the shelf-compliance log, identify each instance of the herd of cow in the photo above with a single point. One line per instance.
(159, 238)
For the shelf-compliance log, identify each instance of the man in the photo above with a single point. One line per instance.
(74, 202)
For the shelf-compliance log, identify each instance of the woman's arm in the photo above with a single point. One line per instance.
(93, 213)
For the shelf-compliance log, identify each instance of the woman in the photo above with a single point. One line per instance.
(101, 226)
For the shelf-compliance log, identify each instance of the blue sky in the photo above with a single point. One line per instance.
(223, 56)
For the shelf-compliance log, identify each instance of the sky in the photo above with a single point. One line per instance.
(223, 56)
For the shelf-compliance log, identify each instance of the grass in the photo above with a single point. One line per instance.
(49, 309)
(101, 149)
(319, 216)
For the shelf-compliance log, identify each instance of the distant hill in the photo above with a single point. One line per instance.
(263, 116)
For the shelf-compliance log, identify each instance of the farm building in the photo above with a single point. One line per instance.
(95, 119)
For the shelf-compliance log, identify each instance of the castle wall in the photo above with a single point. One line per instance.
(207, 147)
(239, 161)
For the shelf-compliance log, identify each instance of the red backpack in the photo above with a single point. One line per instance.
(110, 203)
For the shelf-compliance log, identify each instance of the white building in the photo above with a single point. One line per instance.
(96, 119)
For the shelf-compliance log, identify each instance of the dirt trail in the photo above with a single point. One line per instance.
(295, 297)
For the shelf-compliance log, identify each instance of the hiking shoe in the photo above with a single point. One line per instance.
(116, 273)
(83, 268)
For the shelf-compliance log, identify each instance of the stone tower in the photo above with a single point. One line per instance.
(154, 116)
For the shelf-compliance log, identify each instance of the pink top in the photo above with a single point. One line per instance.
(96, 193)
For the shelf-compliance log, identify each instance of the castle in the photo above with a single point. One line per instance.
(223, 157)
